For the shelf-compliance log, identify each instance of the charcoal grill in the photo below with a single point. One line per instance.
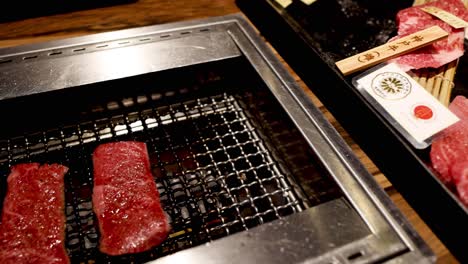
(248, 169)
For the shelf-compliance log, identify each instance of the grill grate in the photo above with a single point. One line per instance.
(215, 174)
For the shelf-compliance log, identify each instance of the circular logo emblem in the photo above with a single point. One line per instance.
(423, 112)
(391, 85)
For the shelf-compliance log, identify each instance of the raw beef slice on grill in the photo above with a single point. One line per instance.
(413, 19)
(33, 218)
(126, 200)
(449, 152)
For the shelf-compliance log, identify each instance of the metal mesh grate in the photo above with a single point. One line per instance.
(215, 174)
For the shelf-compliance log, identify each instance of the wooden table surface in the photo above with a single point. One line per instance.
(149, 12)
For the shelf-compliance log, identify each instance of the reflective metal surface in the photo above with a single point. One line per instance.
(294, 239)
(32, 74)
(368, 229)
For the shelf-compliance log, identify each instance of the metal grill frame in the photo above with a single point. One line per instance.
(389, 238)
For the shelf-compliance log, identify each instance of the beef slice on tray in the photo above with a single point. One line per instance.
(449, 151)
(413, 19)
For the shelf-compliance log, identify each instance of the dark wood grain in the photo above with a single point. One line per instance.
(149, 12)
(141, 13)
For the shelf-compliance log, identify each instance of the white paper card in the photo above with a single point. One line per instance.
(408, 103)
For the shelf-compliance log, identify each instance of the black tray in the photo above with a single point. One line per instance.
(311, 39)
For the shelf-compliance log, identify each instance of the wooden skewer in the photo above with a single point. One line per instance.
(414, 75)
(423, 78)
(430, 80)
(438, 81)
(447, 83)
(420, 2)
(284, 3)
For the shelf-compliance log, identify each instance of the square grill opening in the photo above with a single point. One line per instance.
(224, 154)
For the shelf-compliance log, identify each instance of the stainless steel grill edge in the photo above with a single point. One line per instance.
(248, 168)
